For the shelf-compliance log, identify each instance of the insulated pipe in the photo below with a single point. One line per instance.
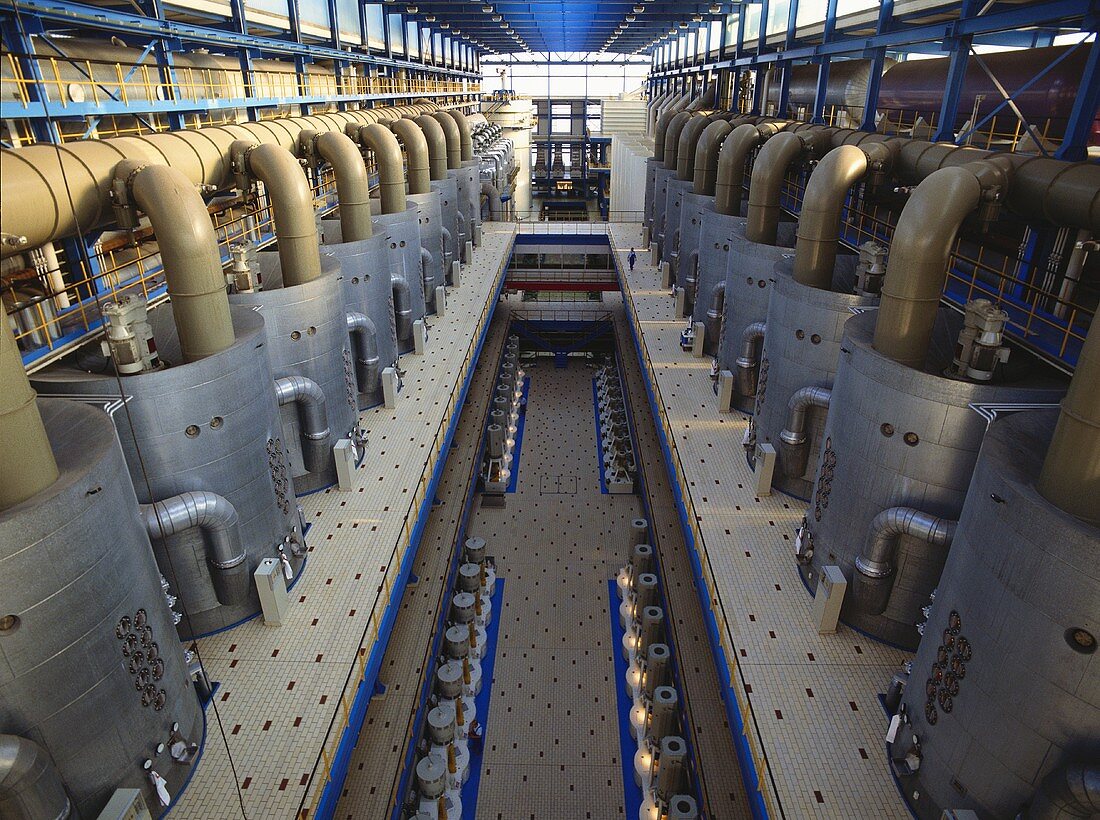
(364, 339)
(27, 464)
(391, 173)
(30, 785)
(1071, 790)
(437, 145)
(796, 455)
(874, 579)
(715, 313)
(309, 400)
(465, 137)
(672, 138)
(768, 173)
(1070, 477)
(402, 306)
(689, 141)
(218, 520)
(291, 201)
(189, 254)
(496, 207)
(352, 184)
(706, 156)
(454, 138)
(416, 152)
(746, 362)
(729, 186)
(919, 253)
(661, 131)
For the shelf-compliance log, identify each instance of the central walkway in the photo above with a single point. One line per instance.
(552, 736)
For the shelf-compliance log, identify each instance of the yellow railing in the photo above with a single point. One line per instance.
(342, 717)
(714, 598)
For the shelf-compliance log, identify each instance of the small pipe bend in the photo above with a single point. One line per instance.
(437, 145)
(364, 339)
(309, 399)
(747, 361)
(402, 306)
(453, 137)
(794, 433)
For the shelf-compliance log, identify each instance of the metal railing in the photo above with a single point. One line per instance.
(321, 775)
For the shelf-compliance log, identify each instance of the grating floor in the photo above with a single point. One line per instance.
(814, 697)
(281, 687)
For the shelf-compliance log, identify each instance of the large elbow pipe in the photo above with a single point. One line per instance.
(706, 157)
(748, 360)
(352, 184)
(291, 205)
(27, 464)
(661, 131)
(437, 145)
(416, 152)
(874, 579)
(730, 183)
(768, 173)
(796, 453)
(402, 307)
(364, 339)
(686, 149)
(309, 400)
(465, 135)
(217, 518)
(919, 255)
(672, 139)
(453, 137)
(189, 254)
(1070, 791)
(391, 173)
(30, 785)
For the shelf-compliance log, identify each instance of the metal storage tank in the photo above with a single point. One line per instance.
(715, 239)
(899, 438)
(661, 178)
(207, 426)
(1002, 694)
(92, 670)
(307, 336)
(402, 243)
(429, 209)
(798, 362)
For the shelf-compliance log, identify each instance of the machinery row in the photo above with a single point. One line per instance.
(162, 518)
(974, 544)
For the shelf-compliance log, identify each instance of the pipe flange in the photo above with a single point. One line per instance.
(873, 569)
(232, 562)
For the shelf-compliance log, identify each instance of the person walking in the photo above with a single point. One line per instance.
(632, 258)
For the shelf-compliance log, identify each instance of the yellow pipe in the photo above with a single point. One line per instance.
(454, 138)
(416, 153)
(768, 173)
(27, 465)
(387, 155)
(352, 185)
(672, 138)
(437, 145)
(819, 220)
(706, 157)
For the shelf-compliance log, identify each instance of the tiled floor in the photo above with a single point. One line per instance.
(280, 687)
(814, 696)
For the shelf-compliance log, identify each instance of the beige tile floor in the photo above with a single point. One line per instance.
(280, 687)
(813, 696)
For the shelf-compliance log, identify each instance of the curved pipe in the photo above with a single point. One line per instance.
(291, 201)
(496, 207)
(309, 400)
(220, 525)
(1072, 790)
(416, 150)
(672, 138)
(402, 306)
(796, 455)
(706, 157)
(465, 136)
(687, 145)
(919, 253)
(352, 185)
(768, 173)
(437, 145)
(661, 131)
(364, 339)
(747, 361)
(454, 138)
(715, 313)
(874, 579)
(729, 187)
(391, 172)
(30, 785)
(189, 254)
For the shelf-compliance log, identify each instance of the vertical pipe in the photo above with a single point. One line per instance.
(768, 173)
(416, 150)
(391, 176)
(437, 146)
(352, 185)
(454, 138)
(465, 136)
(27, 464)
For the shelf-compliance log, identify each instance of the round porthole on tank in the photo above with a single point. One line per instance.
(192, 431)
(1080, 640)
(887, 429)
(912, 439)
(8, 624)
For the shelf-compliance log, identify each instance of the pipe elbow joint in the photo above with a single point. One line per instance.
(309, 399)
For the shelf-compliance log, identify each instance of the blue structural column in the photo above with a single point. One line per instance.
(788, 67)
(878, 65)
(821, 90)
(1074, 145)
(244, 56)
(956, 76)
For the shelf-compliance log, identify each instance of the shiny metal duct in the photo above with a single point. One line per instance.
(27, 464)
(30, 786)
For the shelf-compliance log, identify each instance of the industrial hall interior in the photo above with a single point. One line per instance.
(549, 410)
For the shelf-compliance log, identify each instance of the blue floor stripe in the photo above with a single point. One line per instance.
(599, 437)
(470, 787)
(632, 793)
(514, 479)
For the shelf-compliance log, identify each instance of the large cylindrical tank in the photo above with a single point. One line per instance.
(692, 208)
(749, 275)
(367, 289)
(712, 250)
(210, 425)
(449, 215)
(469, 193)
(899, 437)
(1003, 691)
(430, 214)
(675, 188)
(92, 670)
(307, 335)
(402, 232)
(662, 231)
(917, 85)
(801, 349)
